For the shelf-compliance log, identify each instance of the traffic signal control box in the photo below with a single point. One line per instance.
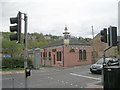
(28, 72)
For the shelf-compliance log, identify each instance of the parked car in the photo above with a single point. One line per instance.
(98, 66)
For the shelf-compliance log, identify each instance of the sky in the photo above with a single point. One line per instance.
(51, 16)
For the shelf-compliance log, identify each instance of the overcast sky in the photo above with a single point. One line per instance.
(51, 16)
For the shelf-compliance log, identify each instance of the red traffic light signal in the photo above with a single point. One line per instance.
(16, 28)
(104, 35)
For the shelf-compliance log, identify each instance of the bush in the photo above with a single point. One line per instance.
(14, 62)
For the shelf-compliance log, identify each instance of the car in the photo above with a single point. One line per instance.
(98, 66)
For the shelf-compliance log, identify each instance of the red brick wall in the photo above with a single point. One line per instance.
(72, 58)
(68, 58)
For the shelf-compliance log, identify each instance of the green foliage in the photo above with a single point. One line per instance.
(35, 40)
(15, 62)
(11, 47)
(85, 40)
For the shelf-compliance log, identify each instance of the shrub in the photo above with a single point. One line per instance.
(14, 62)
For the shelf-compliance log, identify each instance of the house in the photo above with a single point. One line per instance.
(99, 47)
(66, 52)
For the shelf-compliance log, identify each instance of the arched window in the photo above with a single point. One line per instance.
(84, 54)
(49, 55)
(80, 55)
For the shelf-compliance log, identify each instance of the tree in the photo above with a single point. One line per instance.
(11, 47)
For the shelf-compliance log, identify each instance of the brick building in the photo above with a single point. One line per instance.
(66, 52)
(100, 46)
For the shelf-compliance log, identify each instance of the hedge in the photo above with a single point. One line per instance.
(14, 62)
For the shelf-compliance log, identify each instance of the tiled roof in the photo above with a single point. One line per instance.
(73, 41)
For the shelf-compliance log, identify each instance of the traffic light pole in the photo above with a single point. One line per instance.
(25, 48)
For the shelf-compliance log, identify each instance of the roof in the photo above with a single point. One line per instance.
(73, 41)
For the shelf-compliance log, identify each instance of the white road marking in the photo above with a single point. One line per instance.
(66, 82)
(7, 79)
(85, 76)
(51, 78)
(76, 85)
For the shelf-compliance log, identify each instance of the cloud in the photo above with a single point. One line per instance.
(50, 16)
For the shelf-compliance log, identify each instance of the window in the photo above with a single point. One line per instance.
(59, 54)
(49, 55)
(44, 55)
(84, 54)
(80, 54)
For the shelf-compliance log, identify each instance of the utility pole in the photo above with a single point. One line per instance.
(92, 32)
(93, 44)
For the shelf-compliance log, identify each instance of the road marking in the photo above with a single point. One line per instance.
(7, 79)
(76, 85)
(85, 76)
(51, 78)
(66, 82)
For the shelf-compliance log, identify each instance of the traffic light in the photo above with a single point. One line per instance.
(104, 35)
(28, 72)
(112, 36)
(16, 27)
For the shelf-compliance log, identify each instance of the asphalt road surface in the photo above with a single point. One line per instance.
(73, 77)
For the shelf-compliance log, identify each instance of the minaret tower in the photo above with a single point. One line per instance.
(66, 33)
(66, 36)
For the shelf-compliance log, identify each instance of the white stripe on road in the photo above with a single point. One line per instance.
(7, 79)
(85, 76)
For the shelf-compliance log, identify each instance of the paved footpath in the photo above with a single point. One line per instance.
(22, 71)
(95, 86)
(11, 72)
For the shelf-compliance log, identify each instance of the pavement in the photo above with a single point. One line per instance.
(96, 85)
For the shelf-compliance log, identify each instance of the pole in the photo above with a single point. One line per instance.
(25, 47)
(13, 82)
(93, 45)
(92, 31)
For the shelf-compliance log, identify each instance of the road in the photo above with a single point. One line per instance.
(74, 77)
